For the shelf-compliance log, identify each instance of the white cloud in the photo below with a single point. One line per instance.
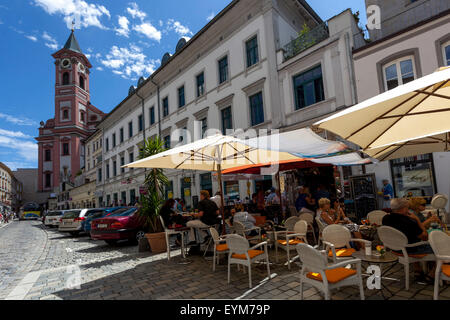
(16, 144)
(32, 38)
(124, 29)
(135, 12)
(176, 26)
(14, 134)
(147, 29)
(130, 63)
(1, 22)
(211, 16)
(50, 41)
(84, 13)
(18, 121)
(99, 68)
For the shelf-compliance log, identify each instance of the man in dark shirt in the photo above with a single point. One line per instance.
(207, 215)
(409, 224)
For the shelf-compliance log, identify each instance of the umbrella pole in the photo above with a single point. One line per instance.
(279, 193)
(219, 179)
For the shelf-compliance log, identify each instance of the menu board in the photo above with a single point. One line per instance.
(363, 194)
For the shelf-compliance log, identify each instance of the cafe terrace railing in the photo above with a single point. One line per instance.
(306, 40)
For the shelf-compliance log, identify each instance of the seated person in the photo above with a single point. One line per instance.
(410, 225)
(336, 216)
(208, 212)
(417, 206)
(305, 202)
(238, 214)
(272, 198)
(170, 217)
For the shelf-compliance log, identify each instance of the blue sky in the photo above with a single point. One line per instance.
(122, 39)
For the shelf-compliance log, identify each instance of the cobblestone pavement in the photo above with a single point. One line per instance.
(40, 263)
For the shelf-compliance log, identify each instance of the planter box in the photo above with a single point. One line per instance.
(157, 242)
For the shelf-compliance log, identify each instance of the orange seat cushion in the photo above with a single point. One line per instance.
(251, 254)
(291, 242)
(259, 221)
(221, 247)
(333, 275)
(344, 252)
(417, 256)
(446, 269)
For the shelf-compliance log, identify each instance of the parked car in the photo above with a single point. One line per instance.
(51, 218)
(125, 225)
(72, 220)
(105, 212)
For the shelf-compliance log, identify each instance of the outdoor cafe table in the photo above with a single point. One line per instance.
(388, 259)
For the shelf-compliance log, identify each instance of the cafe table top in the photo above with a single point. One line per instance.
(388, 257)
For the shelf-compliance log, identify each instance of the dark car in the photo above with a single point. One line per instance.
(101, 213)
(123, 225)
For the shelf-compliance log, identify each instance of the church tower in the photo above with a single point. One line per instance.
(61, 139)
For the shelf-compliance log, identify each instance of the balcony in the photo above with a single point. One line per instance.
(307, 38)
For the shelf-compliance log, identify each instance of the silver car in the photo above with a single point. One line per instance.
(73, 221)
(52, 218)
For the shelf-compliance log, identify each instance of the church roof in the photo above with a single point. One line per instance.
(72, 44)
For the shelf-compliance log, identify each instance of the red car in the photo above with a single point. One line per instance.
(126, 225)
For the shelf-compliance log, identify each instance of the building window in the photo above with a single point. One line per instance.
(165, 106)
(107, 144)
(206, 182)
(99, 175)
(65, 149)
(108, 200)
(48, 155)
(227, 120)
(168, 190)
(123, 198)
(114, 168)
(398, 72)
(48, 182)
(204, 122)
(114, 140)
(81, 82)
(223, 69)
(308, 88)
(107, 171)
(65, 114)
(81, 116)
(181, 99)
(256, 109)
(167, 142)
(231, 189)
(446, 53)
(130, 129)
(122, 163)
(140, 123)
(152, 115)
(121, 136)
(131, 156)
(200, 84)
(251, 47)
(132, 197)
(66, 79)
(414, 176)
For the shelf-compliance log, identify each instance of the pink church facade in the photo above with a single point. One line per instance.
(61, 139)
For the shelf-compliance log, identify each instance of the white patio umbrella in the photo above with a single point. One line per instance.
(435, 143)
(420, 108)
(214, 153)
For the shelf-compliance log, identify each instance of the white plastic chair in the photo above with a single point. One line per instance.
(440, 242)
(240, 253)
(219, 246)
(337, 238)
(282, 234)
(293, 211)
(309, 218)
(438, 202)
(396, 240)
(292, 239)
(240, 229)
(376, 217)
(321, 226)
(171, 232)
(324, 276)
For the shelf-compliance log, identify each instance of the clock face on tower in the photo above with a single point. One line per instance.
(81, 68)
(65, 63)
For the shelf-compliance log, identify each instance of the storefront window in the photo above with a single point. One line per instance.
(169, 190)
(414, 176)
(231, 189)
(206, 183)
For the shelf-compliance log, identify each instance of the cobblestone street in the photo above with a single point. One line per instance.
(39, 263)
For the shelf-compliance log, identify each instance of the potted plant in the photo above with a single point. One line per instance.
(152, 200)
